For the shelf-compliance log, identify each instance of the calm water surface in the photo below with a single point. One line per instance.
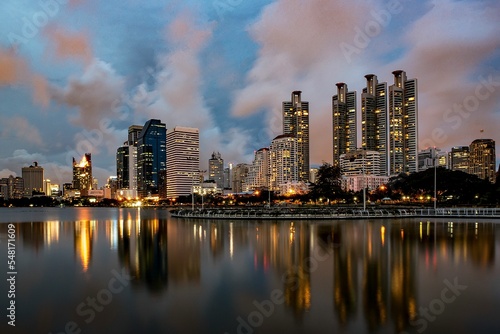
(109, 270)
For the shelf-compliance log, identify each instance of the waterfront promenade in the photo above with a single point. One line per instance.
(334, 213)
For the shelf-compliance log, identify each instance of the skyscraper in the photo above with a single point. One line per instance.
(258, 173)
(228, 176)
(240, 173)
(482, 159)
(126, 167)
(82, 174)
(374, 119)
(183, 161)
(403, 125)
(284, 168)
(344, 122)
(216, 169)
(134, 132)
(459, 158)
(33, 179)
(296, 124)
(151, 159)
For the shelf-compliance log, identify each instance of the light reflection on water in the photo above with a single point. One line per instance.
(204, 276)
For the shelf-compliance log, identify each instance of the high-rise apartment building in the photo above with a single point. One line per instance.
(459, 158)
(259, 171)
(344, 122)
(284, 167)
(183, 161)
(228, 176)
(126, 167)
(240, 174)
(403, 125)
(82, 174)
(33, 179)
(216, 169)
(374, 119)
(360, 162)
(151, 159)
(482, 159)
(11, 187)
(296, 124)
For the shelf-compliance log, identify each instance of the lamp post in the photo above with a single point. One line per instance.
(192, 192)
(364, 181)
(364, 176)
(269, 189)
(202, 172)
(435, 178)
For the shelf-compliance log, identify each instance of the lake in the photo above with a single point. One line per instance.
(117, 270)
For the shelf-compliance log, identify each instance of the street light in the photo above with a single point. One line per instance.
(435, 177)
(269, 188)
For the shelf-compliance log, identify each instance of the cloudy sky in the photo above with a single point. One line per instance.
(74, 74)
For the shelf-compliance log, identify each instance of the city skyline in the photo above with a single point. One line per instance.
(73, 81)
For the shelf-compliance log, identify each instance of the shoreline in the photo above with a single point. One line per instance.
(334, 214)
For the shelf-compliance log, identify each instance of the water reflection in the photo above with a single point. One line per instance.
(374, 275)
(83, 241)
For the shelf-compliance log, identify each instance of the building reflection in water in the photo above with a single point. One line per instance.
(37, 235)
(285, 247)
(142, 249)
(345, 270)
(380, 261)
(83, 236)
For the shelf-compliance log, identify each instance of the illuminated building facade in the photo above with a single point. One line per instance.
(152, 159)
(374, 119)
(239, 178)
(33, 179)
(459, 158)
(183, 161)
(426, 158)
(344, 108)
(82, 174)
(11, 187)
(403, 125)
(284, 167)
(360, 162)
(126, 167)
(482, 159)
(296, 124)
(216, 169)
(258, 173)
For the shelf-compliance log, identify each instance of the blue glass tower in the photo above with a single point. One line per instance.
(152, 159)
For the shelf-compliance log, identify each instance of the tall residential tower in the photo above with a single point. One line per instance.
(374, 120)
(296, 124)
(403, 125)
(344, 122)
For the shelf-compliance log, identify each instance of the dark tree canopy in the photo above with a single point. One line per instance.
(327, 184)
